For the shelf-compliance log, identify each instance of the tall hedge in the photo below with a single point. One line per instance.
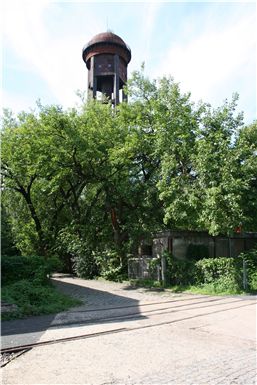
(224, 274)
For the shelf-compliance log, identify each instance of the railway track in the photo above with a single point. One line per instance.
(20, 349)
(141, 314)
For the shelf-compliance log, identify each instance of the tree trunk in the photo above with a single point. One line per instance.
(27, 197)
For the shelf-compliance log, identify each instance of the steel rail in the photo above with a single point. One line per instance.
(27, 347)
(140, 313)
(144, 304)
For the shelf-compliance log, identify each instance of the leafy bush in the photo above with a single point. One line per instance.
(84, 264)
(209, 270)
(216, 275)
(109, 266)
(179, 272)
(82, 256)
(253, 282)
(250, 258)
(113, 274)
(150, 283)
(227, 273)
(35, 299)
(15, 268)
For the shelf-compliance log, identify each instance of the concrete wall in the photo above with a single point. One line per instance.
(177, 243)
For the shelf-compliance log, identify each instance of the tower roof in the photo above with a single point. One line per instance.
(106, 42)
(106, 37)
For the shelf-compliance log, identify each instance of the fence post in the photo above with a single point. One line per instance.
(163, 269)
(245, 284)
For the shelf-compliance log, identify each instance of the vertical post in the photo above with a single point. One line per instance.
(93, 77)
(89, 85)
(159, 268)
(94, 86)
(124, 97)
(116, 80)
(245, 283)
(163, 269)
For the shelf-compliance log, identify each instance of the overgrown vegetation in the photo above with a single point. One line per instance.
(33, 298)
(214, 275)
(88, 184)
(34, 268)
(26, 283)
(208, 275)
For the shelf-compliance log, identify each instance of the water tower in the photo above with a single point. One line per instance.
(107, 56)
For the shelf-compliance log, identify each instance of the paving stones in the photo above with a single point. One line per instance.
(199, 340)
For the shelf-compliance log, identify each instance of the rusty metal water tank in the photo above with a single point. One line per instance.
(107, 56)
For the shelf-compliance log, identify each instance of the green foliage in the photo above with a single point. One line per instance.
(36, 268)
(213, 275)
(7, 241)
(34, 299)
(82, 180)
(253, 282)
(250, 259)
(146, 283)
(217, 270)
(84, 264)
(153, 265)
(207, 289)
(110, 267)
(246, 156)
(179, 272)
(226, 274)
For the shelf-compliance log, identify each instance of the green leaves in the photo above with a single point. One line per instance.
(109, 178)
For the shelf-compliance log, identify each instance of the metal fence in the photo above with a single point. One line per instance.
(144, 268)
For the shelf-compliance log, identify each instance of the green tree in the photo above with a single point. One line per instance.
(94, 180)
(215, 161)
(246, 169)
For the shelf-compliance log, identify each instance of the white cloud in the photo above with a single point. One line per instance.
(217, 62)
(57, 60)
(17, 102)
(47, 40)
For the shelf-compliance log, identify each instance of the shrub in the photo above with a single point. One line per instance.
(109, 266)
(35, 299)
(222, 272)
(84, 264)
(250, 259)
(179, 272)
(113, 274)
(82, 257)
(15, 268)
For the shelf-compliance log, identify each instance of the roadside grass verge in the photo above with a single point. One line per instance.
(207, 289)
(33, 298)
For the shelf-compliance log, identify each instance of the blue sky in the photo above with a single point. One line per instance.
(208, 47)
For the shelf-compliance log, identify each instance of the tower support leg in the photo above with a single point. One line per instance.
(116, 80)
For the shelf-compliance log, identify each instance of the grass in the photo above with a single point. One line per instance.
(35, 299)
(207, 289)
